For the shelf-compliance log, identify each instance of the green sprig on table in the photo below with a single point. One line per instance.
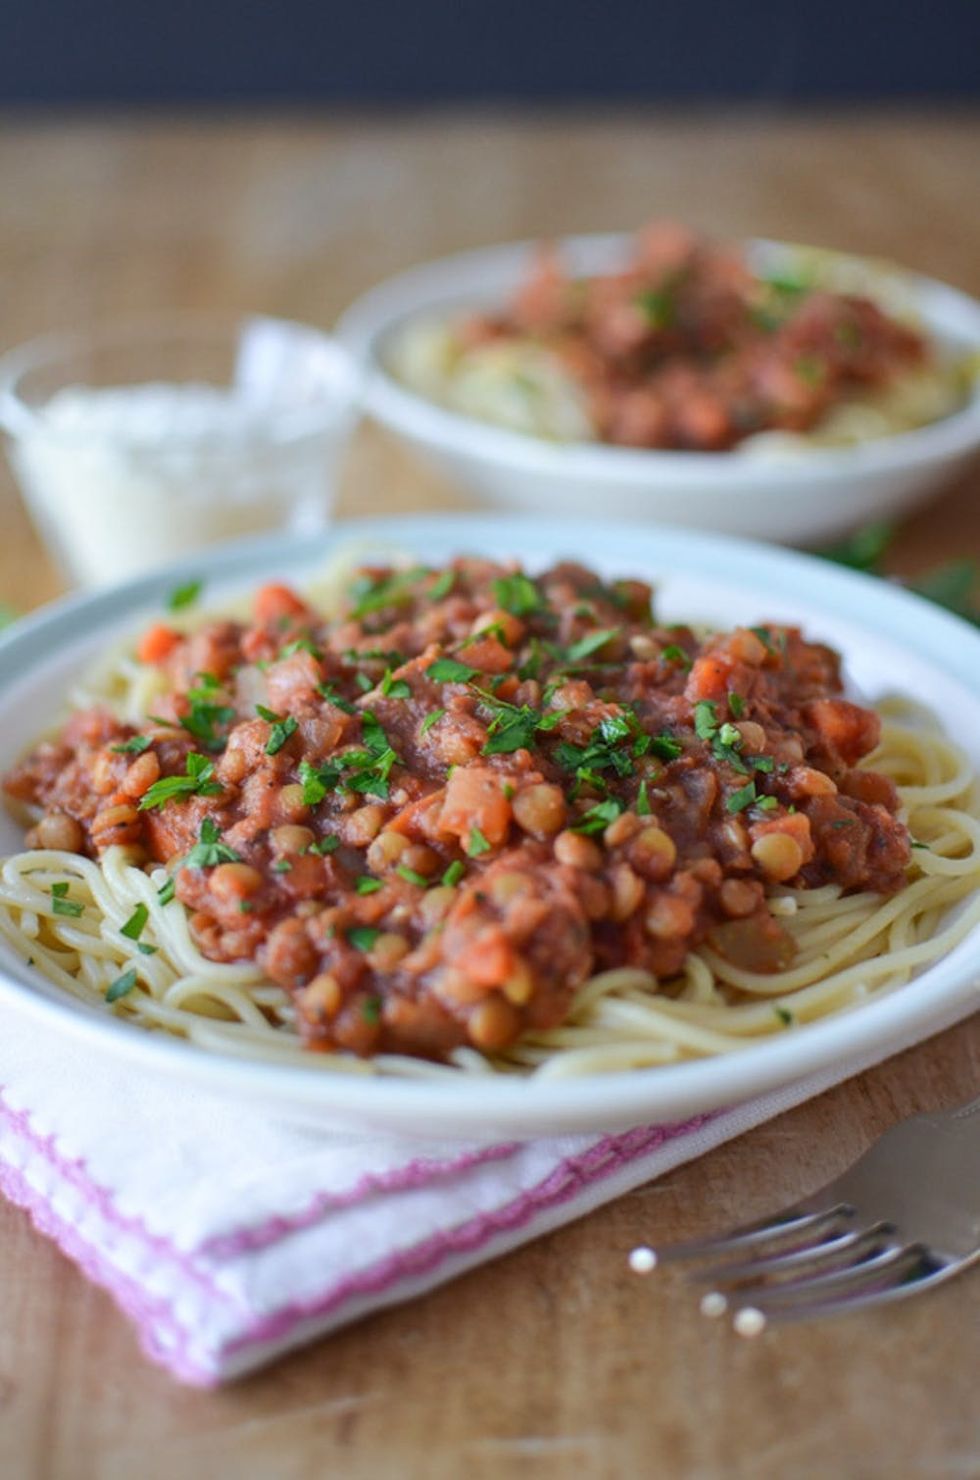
(955, 584)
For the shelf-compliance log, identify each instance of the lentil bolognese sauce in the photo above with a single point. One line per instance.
(469, 807)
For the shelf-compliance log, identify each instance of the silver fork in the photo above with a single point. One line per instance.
(903, 1218)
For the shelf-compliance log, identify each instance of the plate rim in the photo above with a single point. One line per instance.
(623, 1097)
(419, 418)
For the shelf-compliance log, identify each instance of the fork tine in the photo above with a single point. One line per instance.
(867, 1273)
(895, 1283)
(796, 1219)
(822, 1255)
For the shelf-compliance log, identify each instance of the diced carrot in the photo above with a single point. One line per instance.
(488, 959)
(488, 654)
(710, 678)
(475, 800)
(273, 601)
(157, 643)
(844, 728)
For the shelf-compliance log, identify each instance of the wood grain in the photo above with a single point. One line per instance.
(554, 1360)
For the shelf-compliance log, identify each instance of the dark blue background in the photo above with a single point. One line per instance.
(378, 51)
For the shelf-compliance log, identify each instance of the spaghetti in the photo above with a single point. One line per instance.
(112, 930)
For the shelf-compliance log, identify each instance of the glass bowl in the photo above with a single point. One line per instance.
(138, 444)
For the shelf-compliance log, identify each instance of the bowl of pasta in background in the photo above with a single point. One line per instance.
(785, 488)
(892, 643)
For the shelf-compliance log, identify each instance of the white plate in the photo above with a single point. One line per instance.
(892, 642)
(811, 496)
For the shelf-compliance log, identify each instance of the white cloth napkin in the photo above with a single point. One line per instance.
(229, 1237)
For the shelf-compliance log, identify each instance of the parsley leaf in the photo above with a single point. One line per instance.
(196, 781)
(210, 850)
(590, 644)
(477, 843)
(432, 718)
(136, 923)
(281, 728)
(642, 801)
(122, 986)
(518, 595)
(412, 876)
(442, 586)
(742, 798)
(389, 590)
(185, 595)
(706, 719)
(448, 670)
(674, 654)
(135, 746)
(328, 844)
(362, 937)
(394, 688)
(454, 873)
(62, 905)
(166, 891)
(736, 705)
(597, 818)
(328, 692)
(366, 885)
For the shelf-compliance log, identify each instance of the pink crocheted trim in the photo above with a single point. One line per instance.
(418, 1173)
(153, 1318)
(76, 1174)
(572, 1175)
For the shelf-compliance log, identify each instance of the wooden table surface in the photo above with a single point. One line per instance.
(552, 1361)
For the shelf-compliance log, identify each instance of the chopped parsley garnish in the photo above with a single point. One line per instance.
(453, 874)
(394, 688)
(166, 891)
(597, 818)
(146, 950)
(742, 798)
(674, 654)
(432, 718)
(736, 705)
(449, 670)
(205, 719)
(197, 780)
(185, 595)
(62, 905)
(665, 747)
(784, 1015)
(658, 307)
(299, 645)
(282, 728)
(122, 985)
(366, 885)
(477, 843)
(362, 937)
(316, 783)
(363, 683)
(914, 843)
(642, 801)
(706, 719)
(767, 804)
(412, 876)
(810, 370)
(518, 595)
(328, 692)
(607, 750)
(371, 1010)
(365, 770)
(391, 590)
(210, 850)
(136, 923)
(442, 586)
(325, 845)
(764, 634)
(134, 746)
(590, 644)
(282, 866)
